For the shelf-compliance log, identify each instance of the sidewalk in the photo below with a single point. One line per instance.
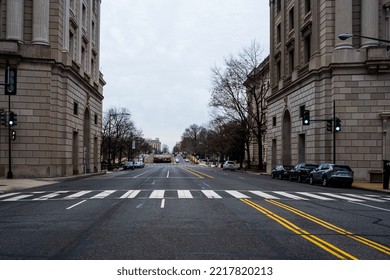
(12, 185)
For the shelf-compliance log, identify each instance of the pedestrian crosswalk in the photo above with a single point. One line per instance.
(190, 194)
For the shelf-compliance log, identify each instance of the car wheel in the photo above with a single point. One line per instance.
(311, 180)
(272, 176)
(325, 182)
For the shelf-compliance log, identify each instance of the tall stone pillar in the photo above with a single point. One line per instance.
(15, 22)
(370, 18)
(41, 10)
(343, 23)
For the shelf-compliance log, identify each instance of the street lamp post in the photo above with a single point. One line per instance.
(386, 163)
(346, 36)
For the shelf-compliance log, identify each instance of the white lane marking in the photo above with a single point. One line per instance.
(102, 195)
(74, 205)
(19, 197)
(211, 194)
(184, 194)
(50, 195)
(342, 197)
(264, 195)
(168, 174)
(140, 174)
(131, 194)
(77, 195)
(8, 194)
(157, 194)
(379, 208)
(163, 203)
(364, 197)
(289, 195)
(237, 194)
(312, 195)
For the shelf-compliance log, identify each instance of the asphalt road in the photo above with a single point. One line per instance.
(181, 211)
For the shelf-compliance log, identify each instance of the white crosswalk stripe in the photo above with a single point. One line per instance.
(312, 195)
(131, 194)
(157, 194)
(192, 194)
(237, 194)
(289, 195)
(19, 197)
(51, 195)
(77, 195)
(102, 194)
(342, 197)
(264, 195)
(184, 194)
(211, 194)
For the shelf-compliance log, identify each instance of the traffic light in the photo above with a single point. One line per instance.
(337, 125)
(329, 125)
(3, 116)
(306, 117)
(13, 135)
(10, 81)
(13, 118)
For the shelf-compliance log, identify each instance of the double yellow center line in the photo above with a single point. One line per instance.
(339, 253)
(197, 173)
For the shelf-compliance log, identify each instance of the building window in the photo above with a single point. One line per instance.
(274, 121)
(291, 18)
(278, 71)
(96, 119)
(84, 17)
(71, 45)
(278, 5)
(307, 48)
(291, 61)
(307, 6)
(278, 33)
(75, 108)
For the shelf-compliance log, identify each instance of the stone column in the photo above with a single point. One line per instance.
(343, 15)
(15, 11)
(370, 17)
(41, 10)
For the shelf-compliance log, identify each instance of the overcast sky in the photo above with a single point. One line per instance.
(156, 56)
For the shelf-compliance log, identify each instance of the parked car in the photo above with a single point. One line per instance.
(139, 164)
(128, 165)
(332, 174)
(229, 165)
(301, 172)
(281, 171)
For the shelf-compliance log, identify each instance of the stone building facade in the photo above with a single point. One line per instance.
(312, 69)
(54, 45)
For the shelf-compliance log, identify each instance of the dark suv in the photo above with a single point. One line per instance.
(301, 172)
(281, 171)
(332, 174)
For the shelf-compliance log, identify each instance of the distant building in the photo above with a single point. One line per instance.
(155, 143)
(312, 69)
(55, 47)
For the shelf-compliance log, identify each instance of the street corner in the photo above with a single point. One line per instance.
(11, 185)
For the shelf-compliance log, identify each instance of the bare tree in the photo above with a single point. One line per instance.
(234, 99)
(118, 132)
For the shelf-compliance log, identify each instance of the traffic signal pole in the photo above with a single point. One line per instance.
(10, 175)
(333, 125)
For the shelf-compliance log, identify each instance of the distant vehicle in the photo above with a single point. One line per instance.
(332, 174)
(128, 165)
(177, 160)
(301, 172)
(229, 165)
(139, 164)
(281, 171)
